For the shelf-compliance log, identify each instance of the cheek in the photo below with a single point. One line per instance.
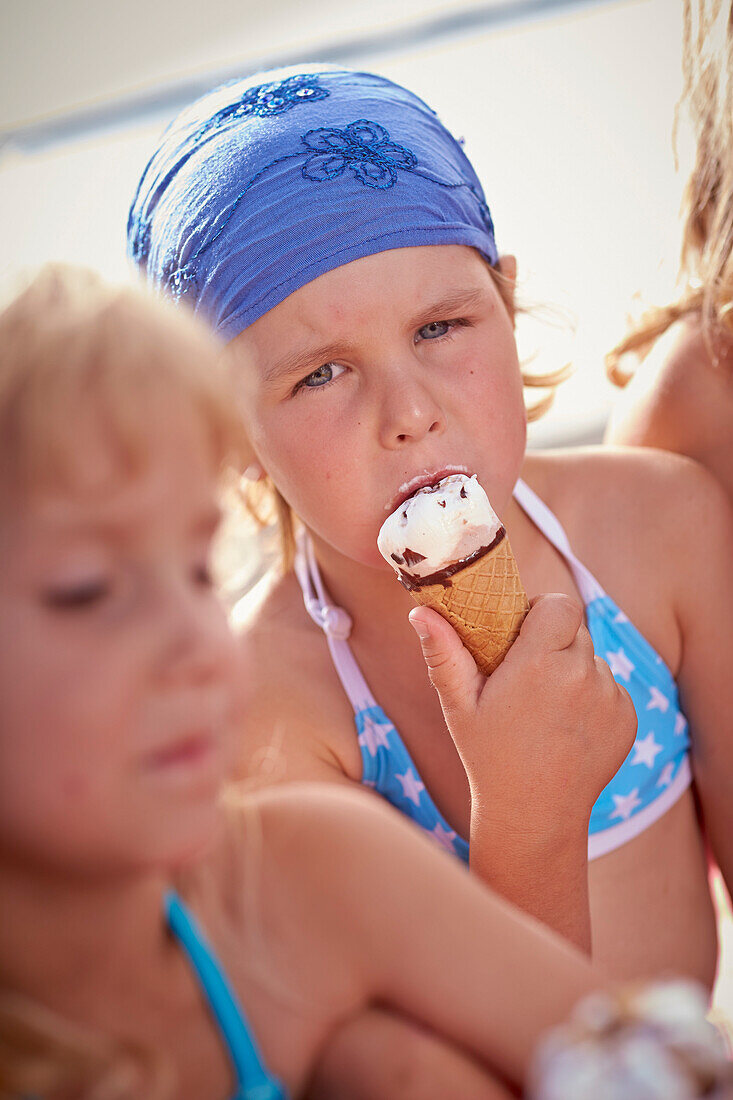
(58, 750)
(315, 457)
(493, 412)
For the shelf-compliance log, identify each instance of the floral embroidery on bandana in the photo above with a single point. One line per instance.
(363, 147)
(266, 100)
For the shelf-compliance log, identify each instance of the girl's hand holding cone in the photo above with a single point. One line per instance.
(525, 738)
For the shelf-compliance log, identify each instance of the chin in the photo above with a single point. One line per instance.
(186, 840)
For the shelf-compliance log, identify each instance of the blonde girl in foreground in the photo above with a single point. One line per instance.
(140, 920)
(682, 398)
(330, 228)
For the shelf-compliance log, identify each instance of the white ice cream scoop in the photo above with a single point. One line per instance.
(438, 526)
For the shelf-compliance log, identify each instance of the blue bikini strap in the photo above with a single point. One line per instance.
(254, 1082)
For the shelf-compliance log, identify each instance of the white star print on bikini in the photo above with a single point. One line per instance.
(445, 838)
(665, 776)
(646, 750)
(657, 700)
(626, 804)
(620, 664)
(411, 786)
(374, 734)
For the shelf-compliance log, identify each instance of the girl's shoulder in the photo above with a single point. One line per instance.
(681, 396)
(611, 486)
(624, 497)
(295, 718)
(633, 516)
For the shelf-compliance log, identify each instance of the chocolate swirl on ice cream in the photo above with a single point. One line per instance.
(439, 530)
(451, 552)
(443, 576)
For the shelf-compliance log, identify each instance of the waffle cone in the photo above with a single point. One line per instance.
(485, 603)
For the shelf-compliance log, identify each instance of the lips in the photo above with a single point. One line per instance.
(422, 481)
(186, 751)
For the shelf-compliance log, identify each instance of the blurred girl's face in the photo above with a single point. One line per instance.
(116, 662)
(398, 366)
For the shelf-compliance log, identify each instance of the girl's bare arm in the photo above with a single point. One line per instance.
(410, 928)
(380, 1055)
(705, 612)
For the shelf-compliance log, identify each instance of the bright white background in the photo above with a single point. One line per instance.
(567, 117)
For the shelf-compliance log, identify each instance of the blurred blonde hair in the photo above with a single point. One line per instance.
(70, 342)
(267, 506)
(707, 238)
(43, 1055)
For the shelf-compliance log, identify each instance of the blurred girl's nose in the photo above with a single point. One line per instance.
(200, 645)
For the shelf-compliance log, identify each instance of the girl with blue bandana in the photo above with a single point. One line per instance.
(334, 234)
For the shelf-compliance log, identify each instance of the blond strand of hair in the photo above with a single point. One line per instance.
(706, 254)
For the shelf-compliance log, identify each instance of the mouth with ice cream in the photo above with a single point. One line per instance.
(451, 551)
(438, 530)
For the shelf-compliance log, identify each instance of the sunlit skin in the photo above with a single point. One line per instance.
(117, 660)
(365, 394)
(117, 693)
(402, 364)
(681, 399)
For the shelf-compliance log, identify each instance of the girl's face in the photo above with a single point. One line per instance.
(116, 662)
(396, 367)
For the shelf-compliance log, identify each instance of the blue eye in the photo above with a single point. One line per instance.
(434, 330)
(320, 377)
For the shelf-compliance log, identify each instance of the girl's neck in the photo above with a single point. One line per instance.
(67, 940)
(372, 596)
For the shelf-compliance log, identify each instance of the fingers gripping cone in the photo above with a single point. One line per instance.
(484, 602)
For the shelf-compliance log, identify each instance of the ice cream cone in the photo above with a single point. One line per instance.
(484, 602)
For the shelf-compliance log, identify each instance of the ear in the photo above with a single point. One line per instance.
(507, 268)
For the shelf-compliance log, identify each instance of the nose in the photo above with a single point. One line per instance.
(410, 411)
(199, 646)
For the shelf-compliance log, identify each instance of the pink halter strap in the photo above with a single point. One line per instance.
(334, 622)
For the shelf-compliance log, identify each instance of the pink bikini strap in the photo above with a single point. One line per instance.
(334, 622)
(551, 528)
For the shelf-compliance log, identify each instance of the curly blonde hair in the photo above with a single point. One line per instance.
(707, 239)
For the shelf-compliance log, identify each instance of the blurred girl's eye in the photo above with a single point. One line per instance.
(78, 597)
(320, 377)
(202, 575)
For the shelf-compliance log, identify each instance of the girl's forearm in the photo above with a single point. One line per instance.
(546, 875)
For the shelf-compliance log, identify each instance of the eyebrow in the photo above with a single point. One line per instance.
(310, 358)
(443, 308)
(301, 361)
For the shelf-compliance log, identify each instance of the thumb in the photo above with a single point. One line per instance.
(451, 668)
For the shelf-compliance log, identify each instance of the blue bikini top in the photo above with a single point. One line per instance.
(254, 1082)
(655, 773)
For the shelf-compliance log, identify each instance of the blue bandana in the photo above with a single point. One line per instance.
(264, 184)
